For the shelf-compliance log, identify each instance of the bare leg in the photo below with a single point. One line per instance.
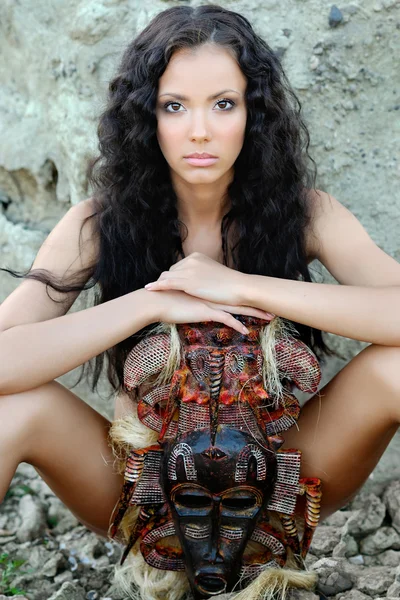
(66, 441)
(342, 433)
(344, 430)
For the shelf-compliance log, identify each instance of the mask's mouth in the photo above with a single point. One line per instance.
(211, 584)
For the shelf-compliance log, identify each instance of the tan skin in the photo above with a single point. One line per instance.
(342, 431)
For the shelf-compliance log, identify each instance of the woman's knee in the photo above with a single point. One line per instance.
(383, 363)
(18, 414)
(380, 367)
(26, 415)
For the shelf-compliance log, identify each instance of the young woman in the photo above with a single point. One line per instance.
(174, 238)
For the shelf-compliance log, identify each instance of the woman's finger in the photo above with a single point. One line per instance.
(223, 317)
(248, 311)
(168, 283)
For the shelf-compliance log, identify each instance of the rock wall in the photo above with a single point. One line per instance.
(58, 57)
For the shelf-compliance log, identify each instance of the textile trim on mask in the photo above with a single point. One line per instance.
(218, 378)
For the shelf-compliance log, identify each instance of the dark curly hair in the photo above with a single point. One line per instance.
(135, 214)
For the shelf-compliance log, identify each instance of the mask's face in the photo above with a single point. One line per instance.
(215, 495)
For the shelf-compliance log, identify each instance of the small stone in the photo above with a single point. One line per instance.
(92, 595)
(353, 595)
(66, 523)
(346, 547)
(33, 518)
(375, 581)
(397, 574)
(394, 590)
(383, 539)
(318, 49)
(73, 562)
(331, 577)
(40, 487)
(55, 564)
(335, 16)
(357, 560)
(60, 517)
(368, 514)
(389, 558)
(62, 577)
(27, 472)
(69, 591)
(324, 540)
(103, 561)
(391, 498)
(302, 595)
(340, 517)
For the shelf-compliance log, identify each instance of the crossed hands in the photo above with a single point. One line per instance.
(203, 285)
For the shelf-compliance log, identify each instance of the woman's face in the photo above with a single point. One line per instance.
(201, 108)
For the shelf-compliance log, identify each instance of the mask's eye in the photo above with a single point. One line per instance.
(199, 361)
(191, 500)
(234, 363)
(239, 503)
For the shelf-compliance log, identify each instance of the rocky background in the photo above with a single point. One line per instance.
(45, 554)
(57, 57)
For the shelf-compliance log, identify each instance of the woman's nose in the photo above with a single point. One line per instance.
(199, 126)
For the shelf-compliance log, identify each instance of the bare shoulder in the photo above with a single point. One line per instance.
(342, 244)
(72, 245)
(320, 206)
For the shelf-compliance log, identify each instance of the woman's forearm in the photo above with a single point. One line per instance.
(369, 314)
(34, 353)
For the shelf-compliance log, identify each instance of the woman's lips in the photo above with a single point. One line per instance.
(201, 162)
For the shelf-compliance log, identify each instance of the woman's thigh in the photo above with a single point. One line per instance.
(345, 428)
(68, 446)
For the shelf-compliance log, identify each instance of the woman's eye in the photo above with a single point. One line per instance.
(232, 104)
(229, 104)
(172, 104)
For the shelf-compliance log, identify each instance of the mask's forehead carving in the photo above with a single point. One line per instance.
(243, 461)
(184, 450)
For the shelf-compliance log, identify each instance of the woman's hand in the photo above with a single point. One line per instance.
(179, 307)
(201, 276)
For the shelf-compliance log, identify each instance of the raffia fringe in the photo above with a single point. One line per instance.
(270, 334)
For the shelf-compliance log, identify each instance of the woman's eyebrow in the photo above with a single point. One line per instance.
(184, 98)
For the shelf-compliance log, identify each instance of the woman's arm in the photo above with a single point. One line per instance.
(39, 342)
(370, 314)
(365, 307)
(34, 353)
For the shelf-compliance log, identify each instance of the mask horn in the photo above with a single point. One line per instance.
(217, 361)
